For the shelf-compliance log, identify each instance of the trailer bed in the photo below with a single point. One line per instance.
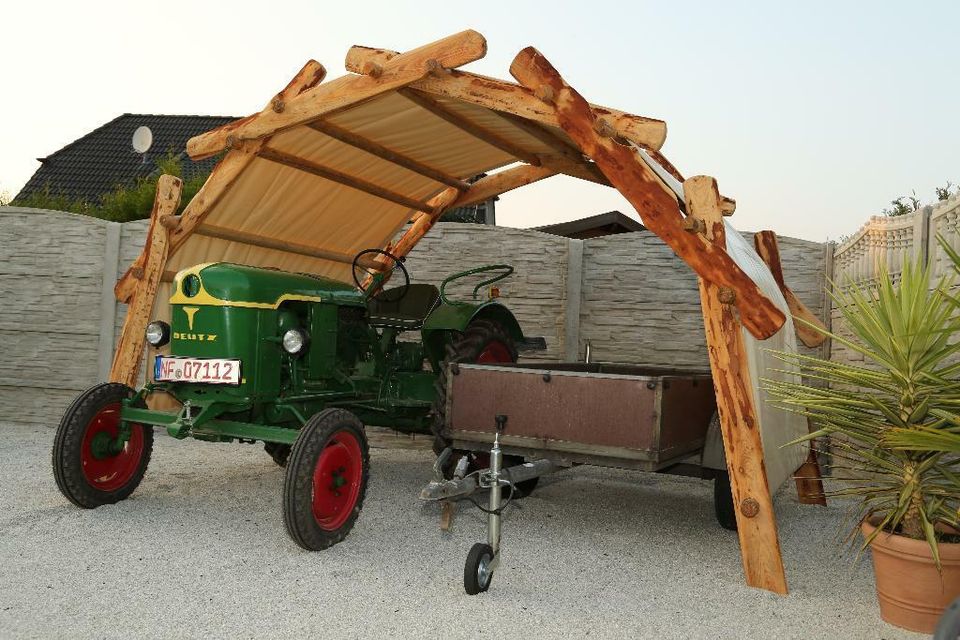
(628, 416)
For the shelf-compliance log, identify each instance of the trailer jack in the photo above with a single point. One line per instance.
(484, 557)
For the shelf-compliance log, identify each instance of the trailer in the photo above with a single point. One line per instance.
(543, 418)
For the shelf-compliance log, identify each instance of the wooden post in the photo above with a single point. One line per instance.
(739, 418)
(129, 353)
(769, 250)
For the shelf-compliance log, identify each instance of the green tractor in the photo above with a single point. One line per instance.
(298, 362)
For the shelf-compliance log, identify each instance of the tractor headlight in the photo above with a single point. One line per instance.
(295, 341)
(158, 333)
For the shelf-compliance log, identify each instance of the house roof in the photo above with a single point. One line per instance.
(97, 162)
(603, 224)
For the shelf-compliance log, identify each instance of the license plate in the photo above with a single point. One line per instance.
(205, 370)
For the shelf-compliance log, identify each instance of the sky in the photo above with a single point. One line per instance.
(812, 115)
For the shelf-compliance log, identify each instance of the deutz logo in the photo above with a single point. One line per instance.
(190, 311)
(199, 337)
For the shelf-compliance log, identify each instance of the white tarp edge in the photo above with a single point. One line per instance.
(777, 427)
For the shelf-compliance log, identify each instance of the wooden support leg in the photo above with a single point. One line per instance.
(809, 482)
(446, 515)
(739, 419)
(129, 353)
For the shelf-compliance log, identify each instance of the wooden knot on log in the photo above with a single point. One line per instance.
(603, 128)
(545, 93)
(726, 295)
(233, 142)
(371, 68)
(694, 225)
(278, 105)
(749, 507)
(169, 221)
(137, 272)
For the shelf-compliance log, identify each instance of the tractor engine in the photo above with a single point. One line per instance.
(251, 332)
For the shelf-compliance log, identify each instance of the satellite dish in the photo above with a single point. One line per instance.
(142, 139)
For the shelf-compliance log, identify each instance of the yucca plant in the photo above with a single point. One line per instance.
(893, 419)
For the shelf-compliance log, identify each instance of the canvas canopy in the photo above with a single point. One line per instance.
(328, 169)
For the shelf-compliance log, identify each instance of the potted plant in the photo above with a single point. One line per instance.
(894, 424)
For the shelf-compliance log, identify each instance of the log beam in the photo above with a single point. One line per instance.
(739, 418)
(810, 329)
(468, 126)
(323, 99)
(308, 166)
(140, 299)
(257, 240)
(507, 97)
(657, 207)
(483, 189)
(566, 157)
(384, 153)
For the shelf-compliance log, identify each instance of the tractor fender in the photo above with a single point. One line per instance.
(447, 318)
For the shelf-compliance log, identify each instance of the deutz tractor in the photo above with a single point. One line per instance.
(298, 362)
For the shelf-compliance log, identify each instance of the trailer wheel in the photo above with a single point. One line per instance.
(326, 479)
(476, 571)
(723, 501)
(279, 452)
(91, 466)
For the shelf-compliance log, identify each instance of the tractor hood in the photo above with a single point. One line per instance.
(223, 284)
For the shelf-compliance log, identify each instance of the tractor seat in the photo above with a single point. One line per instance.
(407, 313)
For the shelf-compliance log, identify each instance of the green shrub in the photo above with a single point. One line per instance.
(125, 202)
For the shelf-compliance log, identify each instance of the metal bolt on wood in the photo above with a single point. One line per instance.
(694, 225)
(749, 507)
(434, 67)
(603, 127)
(726, 295)
(545, 93)
(371, 69)
(278, 105)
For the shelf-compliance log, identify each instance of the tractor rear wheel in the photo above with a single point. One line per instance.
(326, 479)
(92, 465)
(484, 342)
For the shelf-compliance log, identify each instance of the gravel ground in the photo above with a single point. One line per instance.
(200, 551)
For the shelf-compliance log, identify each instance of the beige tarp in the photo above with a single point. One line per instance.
(281, 203)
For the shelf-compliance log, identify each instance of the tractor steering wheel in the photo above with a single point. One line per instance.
(370, 274)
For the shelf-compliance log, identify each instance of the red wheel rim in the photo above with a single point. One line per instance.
(111, 471)
(336, 480)
(496, 351)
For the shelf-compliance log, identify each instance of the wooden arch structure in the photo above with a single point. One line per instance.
(329, 168)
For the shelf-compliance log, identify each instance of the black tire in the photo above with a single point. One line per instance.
(475, 578)
(328, 428)
(279, 452)
(723, 501)
(73, 458)
(466, 347)
(949, 626)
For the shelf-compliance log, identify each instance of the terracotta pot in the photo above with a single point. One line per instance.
(912, 594)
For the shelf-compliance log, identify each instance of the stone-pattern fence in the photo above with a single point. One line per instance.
(627, 295)
(884, 244)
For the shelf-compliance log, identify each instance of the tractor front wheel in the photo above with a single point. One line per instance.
(94, 463)
(326, 479)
